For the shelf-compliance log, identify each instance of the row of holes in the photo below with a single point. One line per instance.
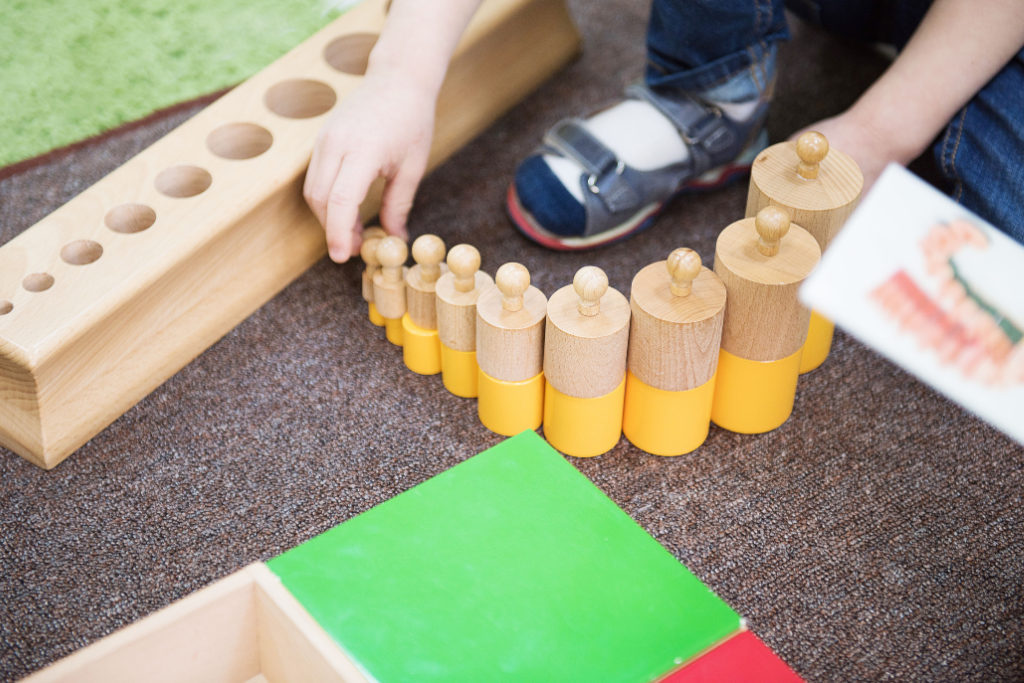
(292, 99)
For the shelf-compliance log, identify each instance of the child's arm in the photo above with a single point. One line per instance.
(957, 49)
(384, 127)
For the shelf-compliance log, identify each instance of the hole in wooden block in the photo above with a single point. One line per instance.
(37, 282)
(5, 307)
(350, 54)
(239, 141)
(300, 98)
(130, 218)
(81, 252)
(183, 181)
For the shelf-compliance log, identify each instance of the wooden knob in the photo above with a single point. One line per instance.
(392, 253)
(428, 252)
(684, 267)
(590, 284)
(368, 252)
(513, 279)
(374, 232)
(812, 148)
(463, 262)
(772, 224)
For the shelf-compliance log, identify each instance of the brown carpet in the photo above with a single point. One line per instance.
(877, 535)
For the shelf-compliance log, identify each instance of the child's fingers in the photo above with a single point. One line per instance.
(343, 202)
(398, 197)
(321, 177)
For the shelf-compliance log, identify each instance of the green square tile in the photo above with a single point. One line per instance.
(510, 566)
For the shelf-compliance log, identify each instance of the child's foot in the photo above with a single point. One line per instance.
(598, 181)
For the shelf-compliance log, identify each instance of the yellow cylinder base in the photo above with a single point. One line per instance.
(818, 344)
(508, 408)
(753, 397)
(667, 422)
(421, 349)
(459, 372)
(583, 427)
(393, 330)
(375, 317)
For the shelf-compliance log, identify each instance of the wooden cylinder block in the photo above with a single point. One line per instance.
(674, 338)
(389, 282)
(428, 252)
(510, 326)
(368, 252)
(765, 320)
(586, 337)
(457, 292)
(819, 188)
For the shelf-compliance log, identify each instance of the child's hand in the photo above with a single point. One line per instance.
(383, 128)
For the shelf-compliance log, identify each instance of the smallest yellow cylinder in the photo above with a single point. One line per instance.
(818, 344)
(663, 422)
(394, 331)
(460, 372)
(753, 397)
(508, 408)
(375, 317)
(421, 348)
(583, 427)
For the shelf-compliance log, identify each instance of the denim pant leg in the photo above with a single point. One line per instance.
(982, 150)
(701, 45)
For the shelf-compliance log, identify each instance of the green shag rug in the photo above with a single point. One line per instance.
(71, 69)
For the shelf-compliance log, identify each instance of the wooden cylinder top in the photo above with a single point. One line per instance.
(765, 320)
(779, 172)
(586, 336)
(391, 254)
(818, 187)
(428, 252)
(464, 262)
(674, 338)
(510, 326)
(456, 308)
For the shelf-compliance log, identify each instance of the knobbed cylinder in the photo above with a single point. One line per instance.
(389, 286)
(819, 188)
(421, 349)
(510, 350)
(678, 309)
(585, 346)
(762, 261)
(456, 294)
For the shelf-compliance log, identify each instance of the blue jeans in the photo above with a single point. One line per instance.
(726, 49)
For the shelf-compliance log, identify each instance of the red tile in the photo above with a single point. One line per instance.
(741, 659)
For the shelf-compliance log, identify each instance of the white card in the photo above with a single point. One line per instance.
(934, 288)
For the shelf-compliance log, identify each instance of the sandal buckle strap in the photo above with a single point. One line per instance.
(605, 171)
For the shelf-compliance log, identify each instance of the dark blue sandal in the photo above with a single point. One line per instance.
(620, 200)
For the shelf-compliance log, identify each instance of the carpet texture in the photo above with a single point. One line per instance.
(72, 69)
(875, 536)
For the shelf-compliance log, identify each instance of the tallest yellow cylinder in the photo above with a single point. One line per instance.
(819, 188)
